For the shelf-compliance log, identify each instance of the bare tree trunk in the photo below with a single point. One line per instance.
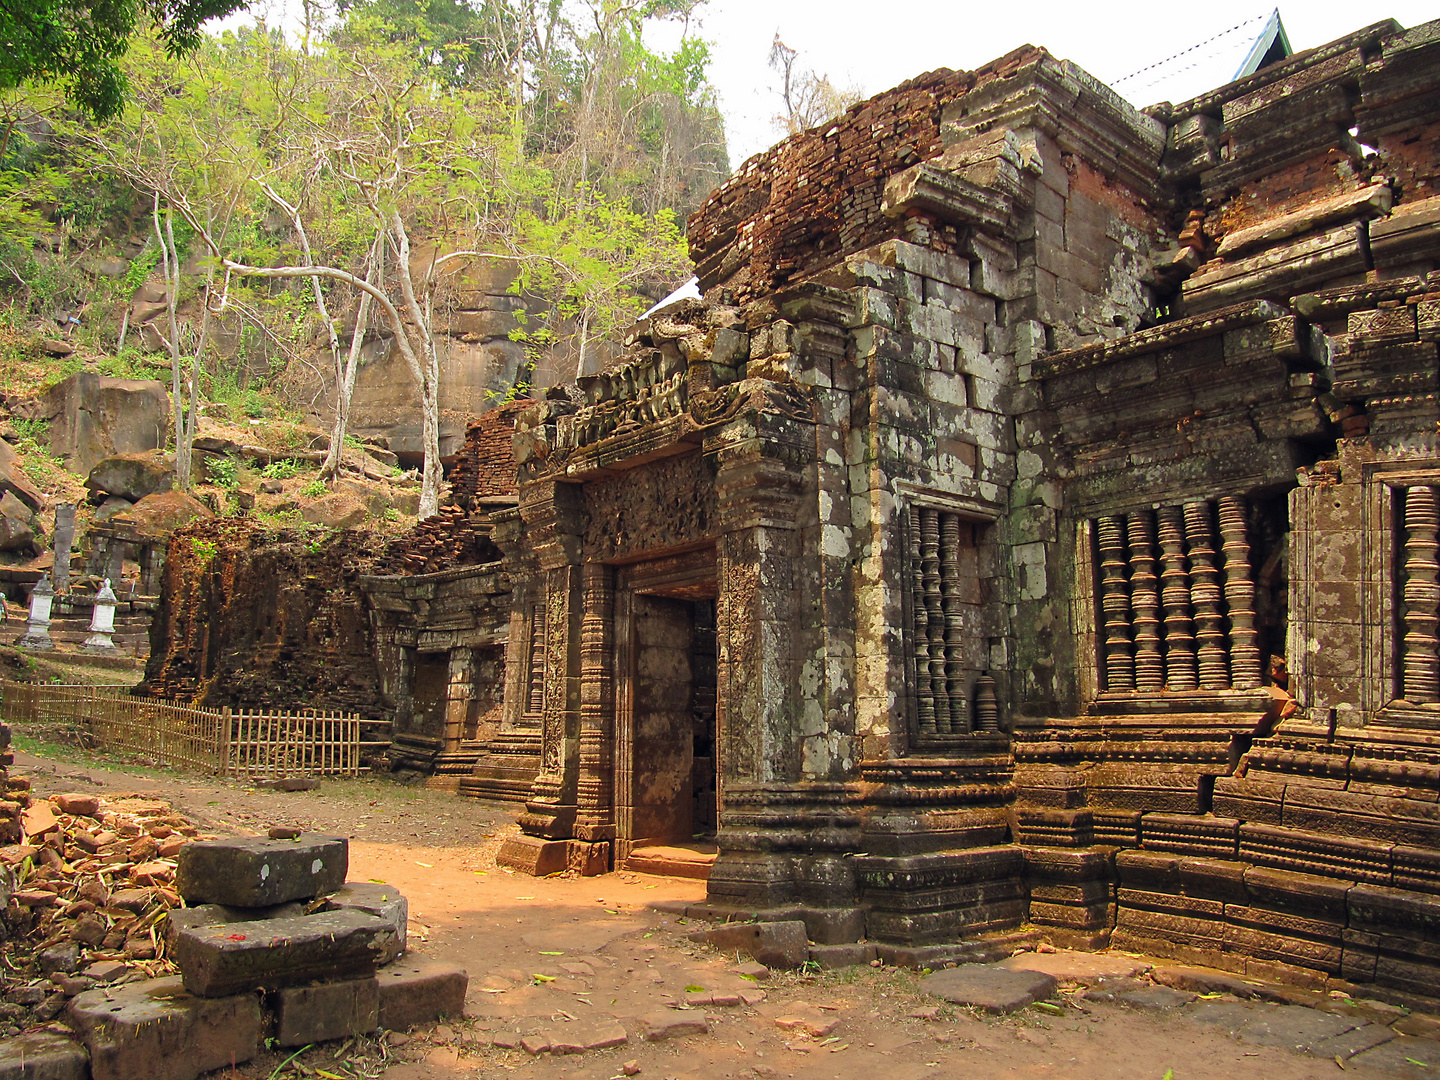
(426, 368)
(293, 212)
(170, 268)
(345, 391)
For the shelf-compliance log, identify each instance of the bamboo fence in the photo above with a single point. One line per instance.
(223, 742)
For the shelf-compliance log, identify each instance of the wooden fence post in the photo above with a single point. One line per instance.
(225, 741)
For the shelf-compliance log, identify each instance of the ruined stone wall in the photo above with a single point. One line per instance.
(254, 618)
(484, 469)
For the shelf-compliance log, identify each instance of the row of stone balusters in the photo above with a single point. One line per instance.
(943, 692)
(1167, 591)
(1420, 598)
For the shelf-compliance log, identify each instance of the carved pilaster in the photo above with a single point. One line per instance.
(1115, 606)
(1239, 595)
(1205, 597)
(1145, 601)
(595, 820)
(1420, 666)
(1180, 673)
(552, 514)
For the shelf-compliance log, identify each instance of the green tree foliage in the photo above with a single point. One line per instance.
(78, 44)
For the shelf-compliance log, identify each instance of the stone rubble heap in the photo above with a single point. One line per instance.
(114, 897)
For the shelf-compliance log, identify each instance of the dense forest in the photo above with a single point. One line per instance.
(298, 186)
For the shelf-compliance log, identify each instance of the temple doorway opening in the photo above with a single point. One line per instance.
(667, 706)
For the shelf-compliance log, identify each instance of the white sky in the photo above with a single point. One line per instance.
(878, 43)
(872, 45)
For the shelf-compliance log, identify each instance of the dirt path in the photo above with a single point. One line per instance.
(560, 959)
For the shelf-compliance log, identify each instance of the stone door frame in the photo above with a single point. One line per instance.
(689, 576)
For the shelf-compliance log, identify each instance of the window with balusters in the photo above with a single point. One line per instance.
(954, 696)
(1176, 599)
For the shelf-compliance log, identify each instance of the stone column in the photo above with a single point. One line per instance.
(64, 540)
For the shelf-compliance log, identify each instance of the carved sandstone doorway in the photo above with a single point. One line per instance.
(666, 774)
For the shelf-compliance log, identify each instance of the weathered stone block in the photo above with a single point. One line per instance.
(218, 915)
(774, 944)
(43, 1055)
(417, 989)
(989, 989)
(272, 953)
(258, 872)
(337, 1010)
(155, 1030)
(381, 901)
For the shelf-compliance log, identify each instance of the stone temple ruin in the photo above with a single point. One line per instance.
(1034, 530)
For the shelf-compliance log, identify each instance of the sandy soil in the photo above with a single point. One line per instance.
(527, 943)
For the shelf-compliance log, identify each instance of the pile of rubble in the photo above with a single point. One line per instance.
(145, 957)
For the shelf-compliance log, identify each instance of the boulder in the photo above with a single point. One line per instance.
(16, 533)
(13, 480)
(161, 514)
(133, 476)
(94, 416)
(337, 510)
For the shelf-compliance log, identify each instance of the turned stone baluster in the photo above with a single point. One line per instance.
(1205, 596)
(934, 616)
(1115, 606)
(987, 709)
(920, 633)
(1145, 601)
(954, 628)
(1239, 595)
(1420, 672)
(536, 700)
(1180, 671)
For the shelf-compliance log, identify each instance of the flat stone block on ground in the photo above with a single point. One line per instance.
(670, 1024)
(269, 954)
(381, 901)
(259, 872)
(321, 1011)
(416, 990)
(43, 1055)
(1076, 968)
(155, 1030)
(990, 989)
(774, 944)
